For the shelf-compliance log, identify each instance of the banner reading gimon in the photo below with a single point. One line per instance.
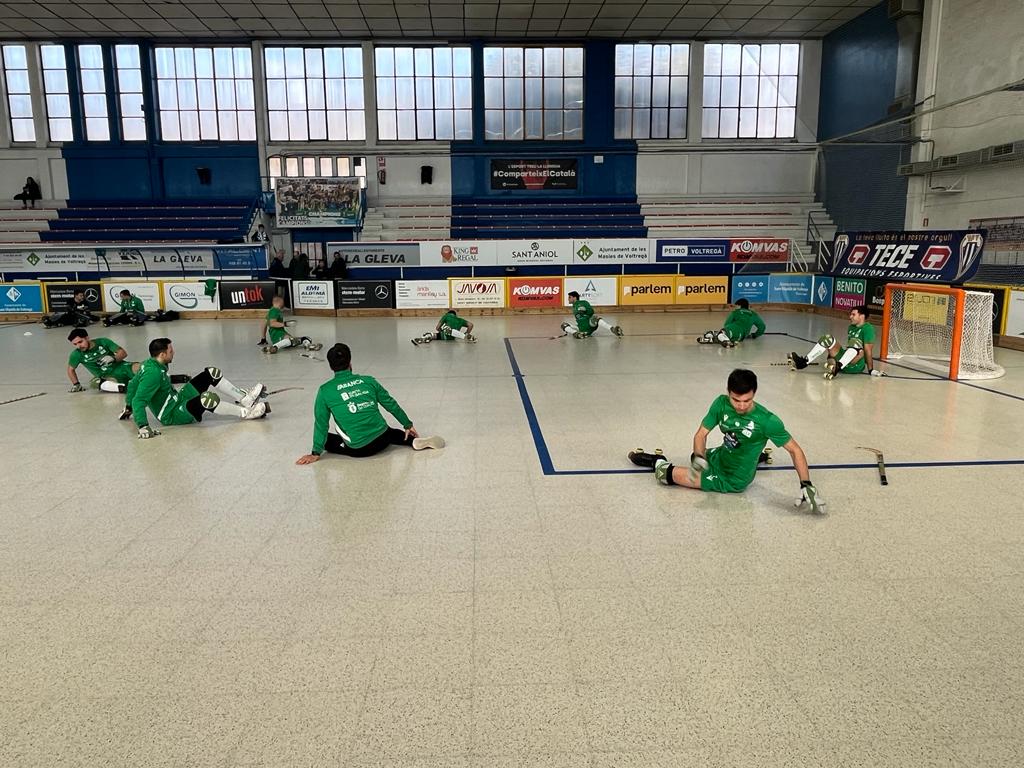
(920, 257)
(533, 174)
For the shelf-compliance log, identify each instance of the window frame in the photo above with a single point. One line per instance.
(64, 96)
(121, 94)
(649, 79)
(9, 95)
(419, 114)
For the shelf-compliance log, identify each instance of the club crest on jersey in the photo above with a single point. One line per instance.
(839, 249)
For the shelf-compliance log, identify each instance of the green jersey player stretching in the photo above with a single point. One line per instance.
(585, 322)
(746, 428)
(449, 327)
(275, 326)
(104, 359)
(742, 323)
(856, 357)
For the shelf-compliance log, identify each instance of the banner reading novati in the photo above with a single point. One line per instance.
(312, 294)
(477, 292)
(188, 297)
(372, 254)
(624, 251)
(534, 174)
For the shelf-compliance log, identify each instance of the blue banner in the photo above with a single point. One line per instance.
(917, 257)
(21, 297)
(753, 288)
(692, 250)
(823, 287)
(253, 258)
(790, 289)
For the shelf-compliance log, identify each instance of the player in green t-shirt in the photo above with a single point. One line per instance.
(275, 326)
(449, 327)
(106, 360)
(353, 401)
(151, 389)
(856, 357)
(585, 322)
(742, 323)
(746, 428)
(131, 311)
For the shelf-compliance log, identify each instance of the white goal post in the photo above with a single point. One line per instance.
(941, 329)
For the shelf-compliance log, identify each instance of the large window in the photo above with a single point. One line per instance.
(58, 98)
(315, 94)
(424, 93)
(94, 92)
(206, 94)
(750, 91)
(533, 93)
(296, 166)
(129, 90)
(650, 90)
(19, 93)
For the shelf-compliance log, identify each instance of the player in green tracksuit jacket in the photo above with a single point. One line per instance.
(746, 428)
(354, 401)
(275, 326)
(742, 323)
(449, 327)
(131, 311)
(151, 388)
(104, 359)
(584, 321)
(856, 357)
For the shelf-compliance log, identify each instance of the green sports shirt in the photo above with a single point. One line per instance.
(864, 333)
(354, 400)
(744, 436)
(275, 334)
(583, 314)
(99, 359)
(132, 304)
(739, 323)
(151, 388)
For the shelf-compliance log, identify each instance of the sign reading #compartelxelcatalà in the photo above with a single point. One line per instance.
(921, 257)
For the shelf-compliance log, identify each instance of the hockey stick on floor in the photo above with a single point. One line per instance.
(18, 399)
(881, 462)
(279, 391)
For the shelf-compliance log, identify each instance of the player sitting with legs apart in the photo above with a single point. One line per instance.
(151, 388)
(354, 401)
(746, 428)
(75, 313)
(585, 323)
(856, 357)
(742, 323)
(449, 327)
(275, 327)
(105, 360)
(131, 311)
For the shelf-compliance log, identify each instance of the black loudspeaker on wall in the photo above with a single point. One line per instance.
(426, 174)
(205, 176)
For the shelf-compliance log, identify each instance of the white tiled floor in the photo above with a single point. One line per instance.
(198, 600)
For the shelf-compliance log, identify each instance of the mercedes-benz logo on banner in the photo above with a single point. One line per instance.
(92, 295)
(970, 250)
(839, 250)
(381, 292)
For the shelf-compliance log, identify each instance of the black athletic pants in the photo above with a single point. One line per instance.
(202, 382)
(388, 437)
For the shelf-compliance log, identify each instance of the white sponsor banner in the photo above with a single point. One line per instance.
(188, 297)
(421, 294)
(599, 291)
(477, 292)
(148, 292)
(312, 294)
(143, 259)
(1015, 315)
(517, 252)
(624, 251)
(458, 253)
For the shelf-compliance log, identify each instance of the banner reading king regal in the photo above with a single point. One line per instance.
(915, 257)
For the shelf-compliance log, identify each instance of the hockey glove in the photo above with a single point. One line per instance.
(77, 388)
(147, 432)
(125, 414)
(106, 360)
(697, 466)
(876, 372)
(809, 495)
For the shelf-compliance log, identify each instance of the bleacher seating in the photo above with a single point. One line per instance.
(417, 219)
(23, 225)
(682, 217)
(548, 217)
(180, 221)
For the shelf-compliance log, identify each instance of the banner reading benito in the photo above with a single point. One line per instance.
(329, 202)
(533, 174)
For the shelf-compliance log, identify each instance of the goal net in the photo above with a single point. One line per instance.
(940, 329)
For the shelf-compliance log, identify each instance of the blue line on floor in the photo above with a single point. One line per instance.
(821, 467)
(531, 415)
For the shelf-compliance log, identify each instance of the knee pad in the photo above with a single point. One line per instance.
(827, 340)
(723, 337)
(209, 400)
(855, 344)
(215, 374)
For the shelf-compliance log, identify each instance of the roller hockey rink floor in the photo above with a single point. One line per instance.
(523, 597)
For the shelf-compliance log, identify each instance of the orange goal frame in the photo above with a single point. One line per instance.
(958, 318)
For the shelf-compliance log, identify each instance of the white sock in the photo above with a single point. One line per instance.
(602, 323)
(816, 351)
(570, 328)
(458, 334)
(228, 409)
(848, 357)
(225, 387)
(109, 386)
(284, 343)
